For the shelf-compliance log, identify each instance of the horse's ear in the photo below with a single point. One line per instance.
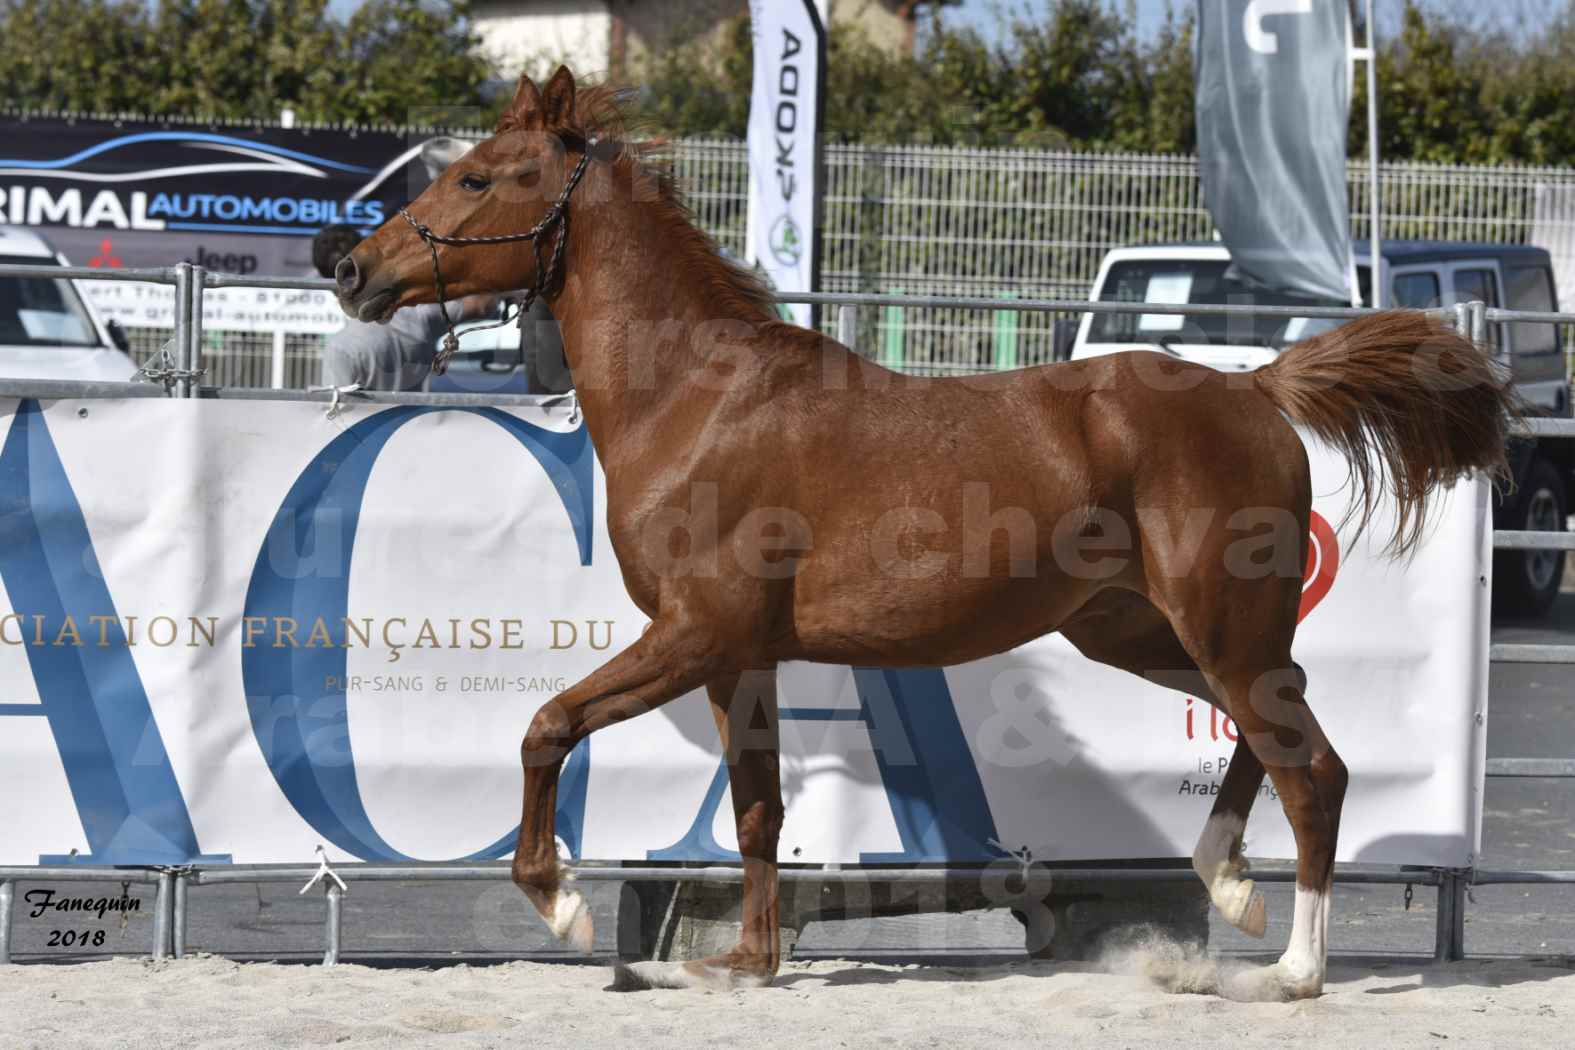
(557, 100)
(526, 104)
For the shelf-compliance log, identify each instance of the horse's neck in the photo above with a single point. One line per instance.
(639, 332)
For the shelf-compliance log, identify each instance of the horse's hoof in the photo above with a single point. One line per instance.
(1256, 920)
(571, 921)
(639, 977)
(1270, 984)
(644, 976)
(1246, 910)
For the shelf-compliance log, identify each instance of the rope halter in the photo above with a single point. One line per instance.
(554, 224)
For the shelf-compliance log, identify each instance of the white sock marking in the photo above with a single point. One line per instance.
(571, 919)
(1306, 958)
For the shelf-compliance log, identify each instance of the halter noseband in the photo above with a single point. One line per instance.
(556, 218)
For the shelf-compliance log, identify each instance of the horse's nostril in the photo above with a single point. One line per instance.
(348, 276)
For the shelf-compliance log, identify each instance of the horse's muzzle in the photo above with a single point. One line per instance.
(360, 294)
(348, 277)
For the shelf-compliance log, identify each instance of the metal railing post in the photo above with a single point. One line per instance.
(1462, 319)
(178, 918)
(1449, 935)
(1477, 311)
(277, 365)
(163, 903)
(335, 923)
(848, 326)
(181, 337)
(192, 361)
(1457, 928)
(5, 920)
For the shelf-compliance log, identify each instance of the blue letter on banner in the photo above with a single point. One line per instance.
(301, 724)
(120, 775)
(937, 799)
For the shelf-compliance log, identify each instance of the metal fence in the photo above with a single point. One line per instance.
(1034, 223)
(180, 375)
(1007, 224)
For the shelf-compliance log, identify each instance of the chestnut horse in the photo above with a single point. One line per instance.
(1153, 511)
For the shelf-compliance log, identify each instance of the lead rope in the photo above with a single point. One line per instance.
(555, 221)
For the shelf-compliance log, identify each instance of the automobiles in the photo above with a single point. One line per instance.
(1417, 274)
(47, 328)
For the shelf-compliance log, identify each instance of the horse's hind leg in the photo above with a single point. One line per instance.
(1217, 858)
(1239, 630)
(1123, 629)
(1271, 714)
(745, 707)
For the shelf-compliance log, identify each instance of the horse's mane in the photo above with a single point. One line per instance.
(605, 113)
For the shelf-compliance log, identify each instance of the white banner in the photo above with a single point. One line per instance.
(233, 630)
(784, 129)
(138, 305)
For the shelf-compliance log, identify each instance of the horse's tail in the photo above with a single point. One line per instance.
(1410, 403)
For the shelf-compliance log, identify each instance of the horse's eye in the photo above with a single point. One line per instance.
(473, 182)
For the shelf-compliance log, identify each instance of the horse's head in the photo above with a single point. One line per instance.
(505, 186)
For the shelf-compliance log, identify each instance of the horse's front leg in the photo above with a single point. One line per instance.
(668, 660)
(745, 707)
